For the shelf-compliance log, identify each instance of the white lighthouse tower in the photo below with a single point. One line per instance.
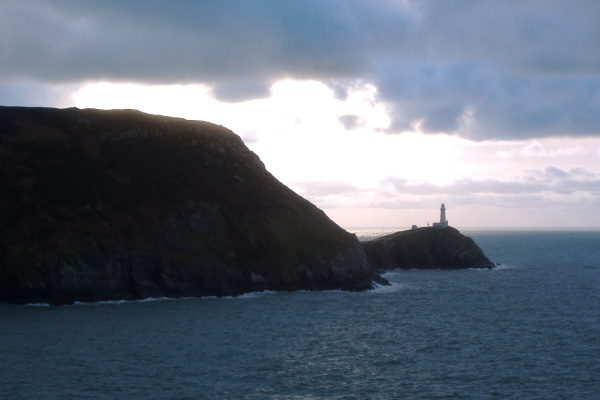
(443, 215)
(443, 221)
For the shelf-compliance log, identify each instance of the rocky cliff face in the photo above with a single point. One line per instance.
(99, 205)
(425, 248)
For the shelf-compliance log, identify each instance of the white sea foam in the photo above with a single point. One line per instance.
(503, 266)
(393, 287)
(252, 295)
(116, 302)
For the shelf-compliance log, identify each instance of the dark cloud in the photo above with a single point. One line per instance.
(482, 69)
(241, 91)
(36, 95)
(195, 40)
(494, 70)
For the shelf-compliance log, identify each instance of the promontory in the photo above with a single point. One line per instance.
(426, 248)
(103, 205)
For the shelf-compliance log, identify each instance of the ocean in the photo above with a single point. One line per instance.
(528, 329)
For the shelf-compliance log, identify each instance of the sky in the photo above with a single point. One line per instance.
(377, 111)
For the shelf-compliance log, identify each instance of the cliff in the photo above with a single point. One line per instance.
(101, 205)
(425, 248)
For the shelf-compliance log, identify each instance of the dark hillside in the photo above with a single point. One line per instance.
(98, 205)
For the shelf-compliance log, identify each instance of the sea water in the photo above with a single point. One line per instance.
(528, 329)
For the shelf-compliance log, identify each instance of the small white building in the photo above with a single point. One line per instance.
(443, 221)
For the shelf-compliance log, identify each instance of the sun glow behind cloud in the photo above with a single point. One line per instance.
(297, 131)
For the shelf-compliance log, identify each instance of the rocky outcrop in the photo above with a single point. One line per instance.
(100, 205)
(425, 248)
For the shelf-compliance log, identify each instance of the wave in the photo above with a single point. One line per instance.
(499, 267)
(395, 280)
(251, 295)
(112, 302)
(393, 287)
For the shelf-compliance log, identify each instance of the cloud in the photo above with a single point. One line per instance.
(479, 69)
(467, 187)
(36, 95)
(550, 180)
(543, 188)
(194, 41)
(498, 70)
(351, 121)
(241, 91)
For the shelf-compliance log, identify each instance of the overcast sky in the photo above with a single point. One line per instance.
(375, 110)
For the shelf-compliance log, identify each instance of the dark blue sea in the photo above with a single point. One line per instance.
(528, 329)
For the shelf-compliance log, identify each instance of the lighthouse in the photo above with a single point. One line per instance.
(443, 215)
(443, 221)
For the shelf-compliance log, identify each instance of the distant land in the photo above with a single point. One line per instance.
(106, 205)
